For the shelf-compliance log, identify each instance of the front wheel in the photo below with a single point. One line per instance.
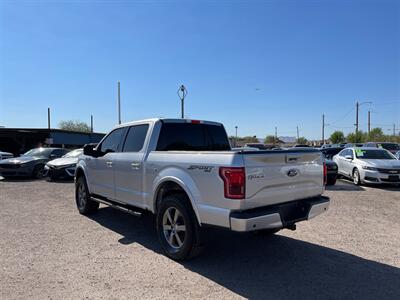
(38, 172)
(356, 177)
(84, 202)
(177, 228)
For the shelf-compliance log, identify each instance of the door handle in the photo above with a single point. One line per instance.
(109, 164)
(135, 165)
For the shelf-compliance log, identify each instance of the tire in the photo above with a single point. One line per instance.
(179, 235)
(84, 203)
(331, 181)
(356, 177)
(38, 172)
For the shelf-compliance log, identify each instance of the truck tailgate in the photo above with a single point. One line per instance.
(280, 176)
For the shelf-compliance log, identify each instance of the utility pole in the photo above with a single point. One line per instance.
(276, 135)
(182, 92)
(369, 122)
(394, 129)
(357, 107)
(236, 136)
(297, 127)
(91, 123)
(48, 118)
(119, 102)
(323, 129)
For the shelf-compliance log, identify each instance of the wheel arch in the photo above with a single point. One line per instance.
(171, 185)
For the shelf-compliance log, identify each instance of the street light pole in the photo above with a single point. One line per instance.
(119, 103)
(357, 108)
(323, 129)
(48, 118)
(236, 136)
(182, 92)
(369, 122)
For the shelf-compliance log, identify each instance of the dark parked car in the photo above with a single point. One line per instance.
(331, 166)
(391, 147)
(329, 153)
(332, 171)
(30, 164)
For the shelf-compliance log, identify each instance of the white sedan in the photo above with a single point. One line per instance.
(368, 165)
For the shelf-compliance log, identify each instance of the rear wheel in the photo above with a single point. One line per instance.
(84, 202)
(177, 228)
(356, 177)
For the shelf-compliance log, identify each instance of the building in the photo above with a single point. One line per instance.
(20, 140)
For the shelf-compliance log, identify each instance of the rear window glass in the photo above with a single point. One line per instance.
(192, 137)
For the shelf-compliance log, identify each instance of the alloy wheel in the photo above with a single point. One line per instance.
(82, 195)
(174, 227)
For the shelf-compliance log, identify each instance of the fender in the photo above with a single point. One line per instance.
(184, 180)
(80, 166)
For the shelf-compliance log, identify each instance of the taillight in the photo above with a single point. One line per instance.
(325, 174)
(234, 182)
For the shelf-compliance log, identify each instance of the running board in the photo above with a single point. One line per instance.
(136, 211)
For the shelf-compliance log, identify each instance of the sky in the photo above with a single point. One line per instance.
(251, 64)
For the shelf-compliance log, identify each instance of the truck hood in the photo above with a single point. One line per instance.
(63, 161)
(381, 163)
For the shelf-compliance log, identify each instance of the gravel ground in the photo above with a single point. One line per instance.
(48, 250)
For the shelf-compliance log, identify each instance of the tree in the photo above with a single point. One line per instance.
(337, 137)
(302, 140)
(358, 137)
(250, 139)
(71, 125)
(376, 135)
(269, 139)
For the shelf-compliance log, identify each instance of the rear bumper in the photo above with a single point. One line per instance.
(279, 215)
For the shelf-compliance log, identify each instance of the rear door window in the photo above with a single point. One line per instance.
(135, 138)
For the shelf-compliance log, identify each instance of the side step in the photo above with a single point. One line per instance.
(136, 211)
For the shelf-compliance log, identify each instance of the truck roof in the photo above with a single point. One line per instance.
(168, 120)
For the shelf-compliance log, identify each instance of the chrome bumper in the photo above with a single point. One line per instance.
(283, 215)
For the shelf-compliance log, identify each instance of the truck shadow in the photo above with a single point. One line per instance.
(264, 267)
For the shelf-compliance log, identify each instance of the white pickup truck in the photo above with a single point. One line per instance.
(185, 173)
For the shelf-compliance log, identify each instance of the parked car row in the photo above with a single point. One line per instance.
(41, 162)
(372, 163)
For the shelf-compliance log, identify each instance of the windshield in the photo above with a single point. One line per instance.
(392, 146)
(39, 152)
(373, 154)
(74, 153)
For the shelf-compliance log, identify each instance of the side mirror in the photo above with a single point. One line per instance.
(348, 157)
(89, 150)
(53, 156)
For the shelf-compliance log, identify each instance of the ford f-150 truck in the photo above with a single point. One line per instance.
(185, 173)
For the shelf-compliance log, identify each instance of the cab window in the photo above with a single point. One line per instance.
(112, 142)
(135, 138)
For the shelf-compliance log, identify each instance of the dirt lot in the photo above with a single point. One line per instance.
(48, 250)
